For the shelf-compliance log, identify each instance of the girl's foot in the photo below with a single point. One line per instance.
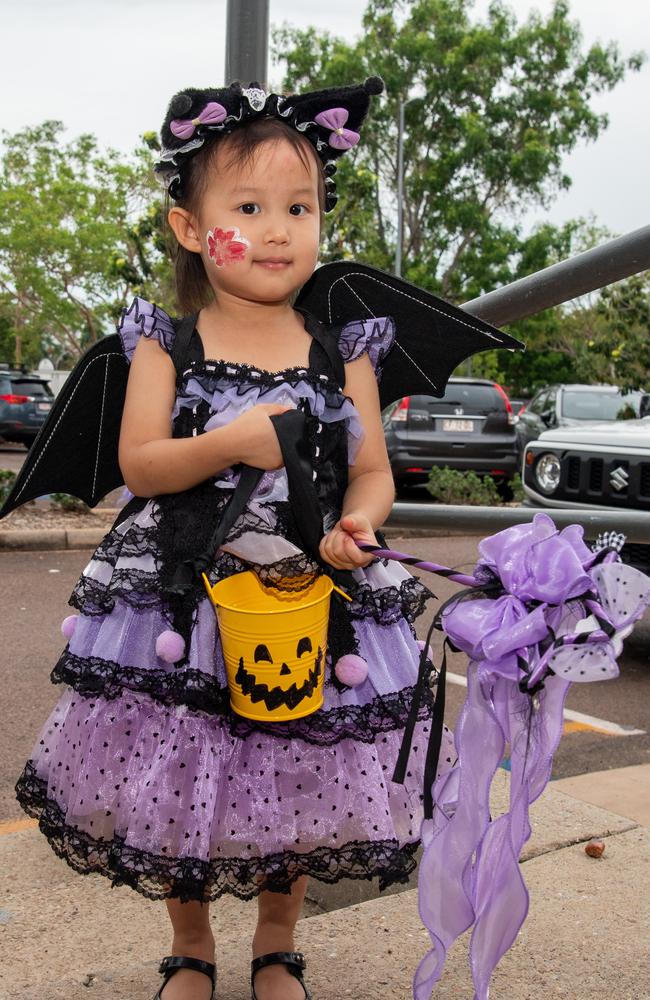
(188, 984)
(274, 982)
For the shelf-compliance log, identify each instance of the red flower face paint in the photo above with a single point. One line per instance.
(226, 246)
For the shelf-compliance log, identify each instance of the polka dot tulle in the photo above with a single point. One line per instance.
(167, 801)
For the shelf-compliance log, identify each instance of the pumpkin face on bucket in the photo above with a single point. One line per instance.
(274, 644)
(281, 674)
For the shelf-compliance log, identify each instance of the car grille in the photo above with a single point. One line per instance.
(609, 481)
(596, 475)
(644, 480)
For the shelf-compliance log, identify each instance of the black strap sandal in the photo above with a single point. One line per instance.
(294, 960)
(172, 963)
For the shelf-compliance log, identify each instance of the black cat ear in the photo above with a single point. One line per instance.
(180, 104)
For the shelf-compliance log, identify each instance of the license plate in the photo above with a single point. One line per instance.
(457, 425)
(43, 406)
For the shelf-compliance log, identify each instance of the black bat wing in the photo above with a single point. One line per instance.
(75, 451)
(432, 336)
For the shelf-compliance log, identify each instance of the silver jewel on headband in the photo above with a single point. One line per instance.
(256, 97)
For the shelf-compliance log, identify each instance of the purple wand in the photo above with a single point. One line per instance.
(469, 581)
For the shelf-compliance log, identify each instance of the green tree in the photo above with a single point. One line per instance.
(494, 106)
(79, 233)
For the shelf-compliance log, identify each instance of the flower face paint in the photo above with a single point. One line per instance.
(226, 246)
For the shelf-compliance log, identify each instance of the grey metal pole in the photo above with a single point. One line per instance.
(247, 41)
(561, 282)
(434, 518)
(400, 190)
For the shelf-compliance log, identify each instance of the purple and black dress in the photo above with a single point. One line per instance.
(143, 772)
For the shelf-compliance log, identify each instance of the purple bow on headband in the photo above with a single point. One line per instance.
(212, 114)
(334, 119)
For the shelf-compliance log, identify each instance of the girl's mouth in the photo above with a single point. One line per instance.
(274, 263)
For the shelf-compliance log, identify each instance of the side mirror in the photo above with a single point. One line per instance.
(548, 416)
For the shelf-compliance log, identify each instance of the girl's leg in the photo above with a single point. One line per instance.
(193, 937)
(277, 916)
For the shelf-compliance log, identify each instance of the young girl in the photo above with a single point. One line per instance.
(143, 772)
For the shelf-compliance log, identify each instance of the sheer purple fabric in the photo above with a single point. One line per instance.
(523, 656)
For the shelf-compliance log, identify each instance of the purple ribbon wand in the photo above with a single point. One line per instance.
(542, 610)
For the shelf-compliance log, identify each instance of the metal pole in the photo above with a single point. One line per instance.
(400, 190)
(561, 282)
(449, 518)
(247, 41)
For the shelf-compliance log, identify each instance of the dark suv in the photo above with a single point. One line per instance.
(25, 401)
(470, 428)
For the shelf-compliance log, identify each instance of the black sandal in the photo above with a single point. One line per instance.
(172, 963)
(294, 960)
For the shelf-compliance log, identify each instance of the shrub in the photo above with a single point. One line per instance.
(7, 480)
(455, 487)
(67, 502)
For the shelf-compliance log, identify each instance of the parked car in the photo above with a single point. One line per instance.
(470, 428)
(601, 466)
(572, 405)
(25, 401)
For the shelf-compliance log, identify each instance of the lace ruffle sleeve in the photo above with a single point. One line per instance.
(374, 336)
(143, 319)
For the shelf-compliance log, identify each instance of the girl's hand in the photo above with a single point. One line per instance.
(338, 548)
(254, 439)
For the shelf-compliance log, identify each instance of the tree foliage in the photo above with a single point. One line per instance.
(493, 108)
(79, 231)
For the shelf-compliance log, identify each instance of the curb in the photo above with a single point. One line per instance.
(50, 538)
(35, 539)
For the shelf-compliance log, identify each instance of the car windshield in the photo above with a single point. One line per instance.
(470, 398)
(31, 387)
(601, 405)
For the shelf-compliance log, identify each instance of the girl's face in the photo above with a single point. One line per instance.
(259, 224)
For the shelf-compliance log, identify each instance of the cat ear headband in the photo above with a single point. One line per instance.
(329, 119)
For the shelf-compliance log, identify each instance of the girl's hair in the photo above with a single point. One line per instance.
(193, 290)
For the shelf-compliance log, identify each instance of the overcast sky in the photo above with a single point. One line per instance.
(110, 66)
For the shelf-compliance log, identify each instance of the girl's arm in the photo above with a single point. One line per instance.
(153, 462)
(371, 489)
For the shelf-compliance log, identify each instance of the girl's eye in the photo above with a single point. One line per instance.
(249, 208)
(301, 209)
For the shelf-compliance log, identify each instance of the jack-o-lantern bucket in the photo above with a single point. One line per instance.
(274, 644)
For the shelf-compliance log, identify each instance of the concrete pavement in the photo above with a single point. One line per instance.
(586, 936)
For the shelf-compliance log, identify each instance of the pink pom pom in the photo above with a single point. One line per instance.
(68, 625)
(351, 669)
(170, 646)
(421, 644)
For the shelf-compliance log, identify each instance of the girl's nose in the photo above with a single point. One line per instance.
(277, 231)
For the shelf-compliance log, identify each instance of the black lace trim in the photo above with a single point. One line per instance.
(133, 586)
(159, 877)
(246, 375)
(91, 676)
(137, 541)
(387, 605)
(139, 588)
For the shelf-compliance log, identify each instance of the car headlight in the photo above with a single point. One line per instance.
(547, 472)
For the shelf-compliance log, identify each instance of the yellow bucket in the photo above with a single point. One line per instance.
(274, 645)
